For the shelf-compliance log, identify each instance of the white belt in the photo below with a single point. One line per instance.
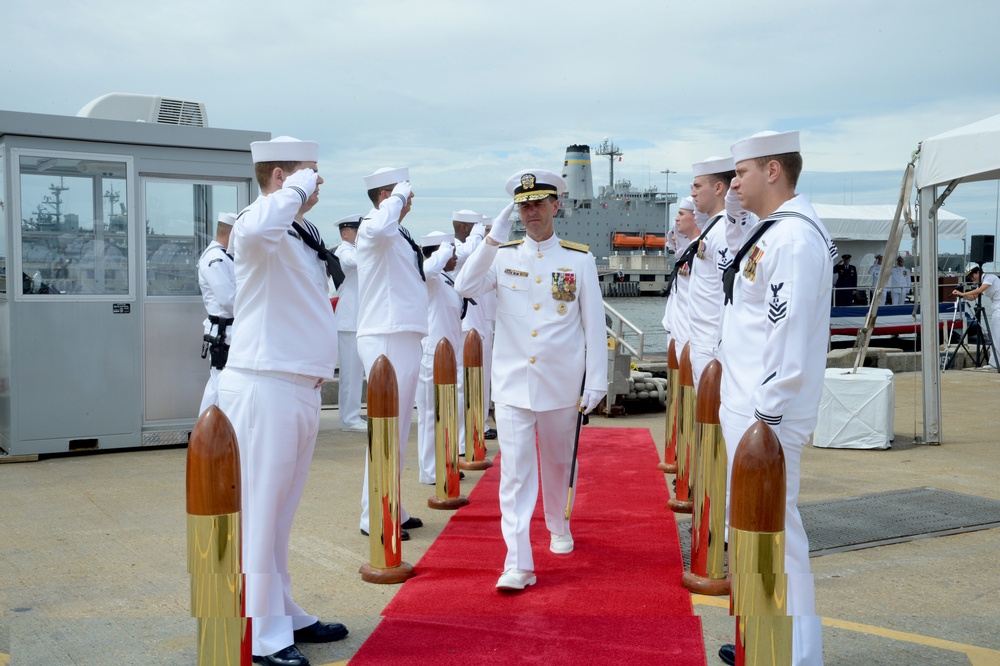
(302, 380)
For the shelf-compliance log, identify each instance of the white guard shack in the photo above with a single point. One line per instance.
(104, 217)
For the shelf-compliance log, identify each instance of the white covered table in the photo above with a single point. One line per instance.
(856, 410)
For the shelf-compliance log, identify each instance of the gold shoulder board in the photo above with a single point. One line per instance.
(570, 245)
(513, 243)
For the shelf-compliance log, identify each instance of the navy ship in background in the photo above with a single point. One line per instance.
(623, 226)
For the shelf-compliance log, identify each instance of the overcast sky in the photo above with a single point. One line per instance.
(466, 93)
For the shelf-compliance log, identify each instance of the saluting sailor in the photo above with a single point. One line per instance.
(392, 319)
(550, 339)
(774, 340)
(352, 372)
(270, 390)
(217, 279)
(711, 182)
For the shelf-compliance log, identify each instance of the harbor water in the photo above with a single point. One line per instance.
(646, 312)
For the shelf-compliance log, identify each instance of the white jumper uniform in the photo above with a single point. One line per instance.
(270, 390)
(773, 354)
(392, 319)
(549, 330)
(352, 372)
(444, 318)
(480, 317)
(217, 279)
(677, 242)
(705, 296)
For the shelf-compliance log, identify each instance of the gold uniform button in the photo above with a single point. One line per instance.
(539, 255)
(534, 333)
(537, 306)
(531, 360)
(538, 280)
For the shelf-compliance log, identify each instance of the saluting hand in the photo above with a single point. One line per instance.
(304, 181)
(500, 230)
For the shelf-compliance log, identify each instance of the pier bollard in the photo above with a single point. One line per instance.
(681, 502)
(214, 541)
(757, 550)
(669, 464)
(447, 486)
(386, 565)
(475, 417)
(708, 523)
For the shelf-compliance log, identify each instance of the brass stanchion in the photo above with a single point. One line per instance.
(681, 502)
(669, 464)
(475, 418)
(447, 486)
(386, 564)
(708, 523)
(214, 547)
(757, 550)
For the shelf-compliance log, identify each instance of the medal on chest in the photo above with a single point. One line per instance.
(701, 250)
(684, 270)
(563, 286)
(750, 267)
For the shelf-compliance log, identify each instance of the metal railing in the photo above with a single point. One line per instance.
(621, 330)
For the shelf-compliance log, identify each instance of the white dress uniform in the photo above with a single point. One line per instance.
(705, 295)
(479, 316)
(352, 372)
(270, 390)
(875, 270)
(992, 292)
(444, 317)
(773, 350)
(677, 242)
(392, 319)
(899, 284)
(544, 342)
(217, 279)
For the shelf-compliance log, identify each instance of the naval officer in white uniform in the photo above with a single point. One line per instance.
(774, 341)
(550, 338)
(392, 319)
(352, 372)
(711, 182)
(217, 279)
(270, 390)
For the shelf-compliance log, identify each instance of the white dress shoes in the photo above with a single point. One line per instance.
(357, 427)
(515, 579)
(561, 544)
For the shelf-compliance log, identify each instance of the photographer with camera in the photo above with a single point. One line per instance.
(990, 286)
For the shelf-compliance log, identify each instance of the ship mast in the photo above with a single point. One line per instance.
(611, 150)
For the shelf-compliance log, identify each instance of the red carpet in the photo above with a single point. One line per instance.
(616, 600)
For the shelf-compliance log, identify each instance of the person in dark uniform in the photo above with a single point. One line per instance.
(847, 281)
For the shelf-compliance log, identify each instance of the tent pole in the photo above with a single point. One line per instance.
(929, 357)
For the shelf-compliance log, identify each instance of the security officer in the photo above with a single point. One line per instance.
(711, 182)
(270, 389)
(774, 341)
(444, 320)
(392, 319)
(550, 341)
(352, 372)
(217, 280)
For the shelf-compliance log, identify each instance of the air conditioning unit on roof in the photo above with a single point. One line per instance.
(146, 109)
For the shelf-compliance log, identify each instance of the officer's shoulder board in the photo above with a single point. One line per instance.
(570, 245)
(513, 243)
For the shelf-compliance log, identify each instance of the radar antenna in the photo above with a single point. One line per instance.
(611, 150)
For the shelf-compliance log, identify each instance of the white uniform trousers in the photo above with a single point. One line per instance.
(211, 395)
(807, 627)
(276, 422)
(898, 296)
(487, 369)
(700, 358)
(995, 336)
(352, 377)
(426, 436)
(403, 351)
(516, 428)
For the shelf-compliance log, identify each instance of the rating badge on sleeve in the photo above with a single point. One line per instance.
(563, 286)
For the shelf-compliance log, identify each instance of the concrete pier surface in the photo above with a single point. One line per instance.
(93, 547)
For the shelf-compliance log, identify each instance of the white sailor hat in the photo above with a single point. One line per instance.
(350, 222)
(284, 149)
(227, 218)
(713, 165)
(466, 216)
(487, 220)
(534, 184)
(687, 203)
(435, 238)
(386, 176)
(765, 144)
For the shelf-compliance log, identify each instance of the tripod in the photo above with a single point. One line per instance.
(975, 324)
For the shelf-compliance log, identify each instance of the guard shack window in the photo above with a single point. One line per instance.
(74, 226)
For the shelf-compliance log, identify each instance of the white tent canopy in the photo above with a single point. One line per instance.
(966, 154)
(872, 223)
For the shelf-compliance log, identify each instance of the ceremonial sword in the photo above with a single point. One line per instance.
(576, 447)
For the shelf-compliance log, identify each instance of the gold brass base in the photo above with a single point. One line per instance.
(667, 468)
(390, 576)
(448, 504)
(678, 506)
(474, 465)
(712, 587)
